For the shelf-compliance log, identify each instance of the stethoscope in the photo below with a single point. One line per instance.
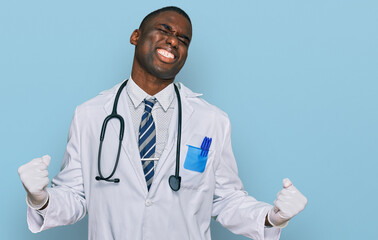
(174, 180)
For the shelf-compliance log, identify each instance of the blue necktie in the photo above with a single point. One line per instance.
(147, 140)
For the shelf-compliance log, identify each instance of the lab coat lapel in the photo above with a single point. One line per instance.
(168, 157)
(187, 109)
(129, 144)
(187, 112)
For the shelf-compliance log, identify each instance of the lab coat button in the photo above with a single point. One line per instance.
(148, 202)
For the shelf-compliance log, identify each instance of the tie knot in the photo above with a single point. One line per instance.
(149, 104)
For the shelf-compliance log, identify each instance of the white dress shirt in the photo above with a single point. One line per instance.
(161, 111)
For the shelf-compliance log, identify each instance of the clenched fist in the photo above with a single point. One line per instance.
(289, 203)
(35, 178)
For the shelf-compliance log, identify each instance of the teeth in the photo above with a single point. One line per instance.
(165, 53)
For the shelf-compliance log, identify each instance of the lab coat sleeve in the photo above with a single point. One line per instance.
(67, 203)
(232, 207)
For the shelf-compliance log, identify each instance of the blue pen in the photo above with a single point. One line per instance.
(208, 146)
(203, 145)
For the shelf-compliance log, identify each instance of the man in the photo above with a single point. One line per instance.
(139, 203)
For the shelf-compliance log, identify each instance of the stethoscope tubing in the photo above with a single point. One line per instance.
(174, 180)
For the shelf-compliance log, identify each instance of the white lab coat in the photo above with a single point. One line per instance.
(126, 210)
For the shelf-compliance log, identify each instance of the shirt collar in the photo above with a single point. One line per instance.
(137, 95)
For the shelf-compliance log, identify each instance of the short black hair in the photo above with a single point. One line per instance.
(164, 9)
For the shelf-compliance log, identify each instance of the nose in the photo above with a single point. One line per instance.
(173, 41)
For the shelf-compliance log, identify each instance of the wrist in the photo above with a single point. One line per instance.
(37, 205)
(275, 220)
(267, 223)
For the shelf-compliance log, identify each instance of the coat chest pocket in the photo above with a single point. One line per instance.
(196, 168)
(195, 160)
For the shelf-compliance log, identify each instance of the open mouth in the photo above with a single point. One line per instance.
(165, 55)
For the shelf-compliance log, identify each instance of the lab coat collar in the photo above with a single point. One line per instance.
(186, 92)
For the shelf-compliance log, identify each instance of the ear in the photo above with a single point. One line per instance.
(135, 37)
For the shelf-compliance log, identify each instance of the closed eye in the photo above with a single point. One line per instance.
(163, 30)
(183, 40)
(166, 29)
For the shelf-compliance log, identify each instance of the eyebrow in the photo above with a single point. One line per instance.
(169, 28)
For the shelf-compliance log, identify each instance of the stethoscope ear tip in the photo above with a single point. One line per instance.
(98, 178)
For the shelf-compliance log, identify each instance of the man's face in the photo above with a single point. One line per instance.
(161, 46)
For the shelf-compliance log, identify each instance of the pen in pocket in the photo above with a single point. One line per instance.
(205, 146)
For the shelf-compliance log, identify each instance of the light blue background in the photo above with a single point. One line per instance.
(297, 78)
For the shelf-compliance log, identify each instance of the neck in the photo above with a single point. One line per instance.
(150, 84)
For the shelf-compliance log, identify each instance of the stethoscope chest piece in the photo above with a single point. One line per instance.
(175, 182)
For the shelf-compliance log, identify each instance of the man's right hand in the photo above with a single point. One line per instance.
(35, 178)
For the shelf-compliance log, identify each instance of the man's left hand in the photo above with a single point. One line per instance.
(289, 203)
